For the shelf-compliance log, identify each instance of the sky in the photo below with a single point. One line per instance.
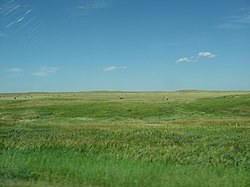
(126, 45)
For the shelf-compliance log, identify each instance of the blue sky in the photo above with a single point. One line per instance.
(131, 45)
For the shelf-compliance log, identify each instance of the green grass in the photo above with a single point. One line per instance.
(185, 138)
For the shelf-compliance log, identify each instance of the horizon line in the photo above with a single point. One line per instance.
(128, 91)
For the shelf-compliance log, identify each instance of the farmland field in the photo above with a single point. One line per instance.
(182, 138)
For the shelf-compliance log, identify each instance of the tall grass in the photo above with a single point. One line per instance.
(143, 139)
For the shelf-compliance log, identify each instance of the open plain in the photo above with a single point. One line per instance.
(182, 138)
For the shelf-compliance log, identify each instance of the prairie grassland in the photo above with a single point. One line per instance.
(184, 138)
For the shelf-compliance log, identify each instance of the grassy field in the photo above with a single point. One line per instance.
(183, 138)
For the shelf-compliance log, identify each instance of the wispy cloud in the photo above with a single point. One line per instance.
(206, 54)
(185, 59)
(199, 56)
(45, 71)
(19, 19)
(9, 7)
(114, 68)
(235, 21)
(15, 72)
(230, 25)
(94, 4)
(86, 7)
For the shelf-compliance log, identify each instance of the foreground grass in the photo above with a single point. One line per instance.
(125, 139)
(75, 168)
